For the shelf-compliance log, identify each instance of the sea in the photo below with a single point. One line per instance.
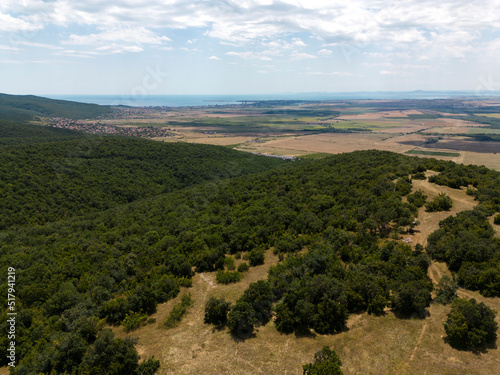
(212, 100)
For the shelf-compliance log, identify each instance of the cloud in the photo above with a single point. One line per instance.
(213, 58)
(138, 35)
(431, 29)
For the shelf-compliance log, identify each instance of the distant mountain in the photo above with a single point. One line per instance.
(27, 107)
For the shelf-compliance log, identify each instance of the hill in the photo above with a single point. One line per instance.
(24, 108)
(13, 133)
(333, 225)
(43, 182)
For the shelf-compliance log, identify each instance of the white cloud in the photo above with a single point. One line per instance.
(213, 58)
(325, 52)
(302, 56)
(138, 35)
(12, 24)
(9, 48)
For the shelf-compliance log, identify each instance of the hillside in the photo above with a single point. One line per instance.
(14, 133)
(332, 223)
(23, 108)
(43, 182)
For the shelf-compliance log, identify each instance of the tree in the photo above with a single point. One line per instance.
(148, 367)
(241, 320)
(412, 298)
(440, 203)
(496, 220)
(446, 290)
(470, 325)
(326, 362)
(256, 258)
(216, 311)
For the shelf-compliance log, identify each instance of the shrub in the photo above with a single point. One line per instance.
(419, 176)
(227, 277)
(179, 310)
(252, 309)
(417, 198)
(148, 367)
(411, 299)
(134, 320)
(470, 325)
(440, 203)
(446, 290)
(326, 362)
(241, 319)
(216, 311)
(256, 257)
(243, 267)
(185, 281)
(229, 263)
(496, 219)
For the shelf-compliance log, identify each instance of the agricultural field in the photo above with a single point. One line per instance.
(442, 128)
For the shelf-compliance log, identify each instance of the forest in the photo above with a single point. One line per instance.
(100, 230)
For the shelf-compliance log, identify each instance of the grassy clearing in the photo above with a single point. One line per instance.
(494, 115)
(433, 153)
(483, 130)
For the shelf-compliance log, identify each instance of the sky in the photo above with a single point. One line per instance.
(152, 47)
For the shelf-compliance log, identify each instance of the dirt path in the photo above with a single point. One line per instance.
(429, 222)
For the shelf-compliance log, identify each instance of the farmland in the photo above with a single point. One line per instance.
(442, 129)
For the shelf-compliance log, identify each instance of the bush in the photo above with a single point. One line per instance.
(411, 299)
(252, 309)
(216, 311)
(417, 199)
(241, 320)
(496, 219)
(227, 277)
(446, 290)
(148, 367)
(256, 257)
(470, 325)
(229, 263)
(419, 176)
(185, 281)
(243, 267)
(134, 320)
(440, 203)
(326, 362)
(179, 310)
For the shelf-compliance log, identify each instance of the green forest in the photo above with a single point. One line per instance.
(100, 230)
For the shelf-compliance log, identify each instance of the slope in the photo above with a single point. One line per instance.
(23, 108)
(44, 182)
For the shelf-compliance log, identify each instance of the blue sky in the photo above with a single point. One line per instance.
(139, 47)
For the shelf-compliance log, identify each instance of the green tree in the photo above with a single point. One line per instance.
(241, 320)
(446, 290)
(326, 362)
(216, 311)
(440, 203)
(470, 325)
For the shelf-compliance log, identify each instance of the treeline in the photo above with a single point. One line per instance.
(493, 122)
(46, 182)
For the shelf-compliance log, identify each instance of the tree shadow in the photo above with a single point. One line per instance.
(477, 351)
(414, 315)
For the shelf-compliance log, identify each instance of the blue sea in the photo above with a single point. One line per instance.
(206, 100)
